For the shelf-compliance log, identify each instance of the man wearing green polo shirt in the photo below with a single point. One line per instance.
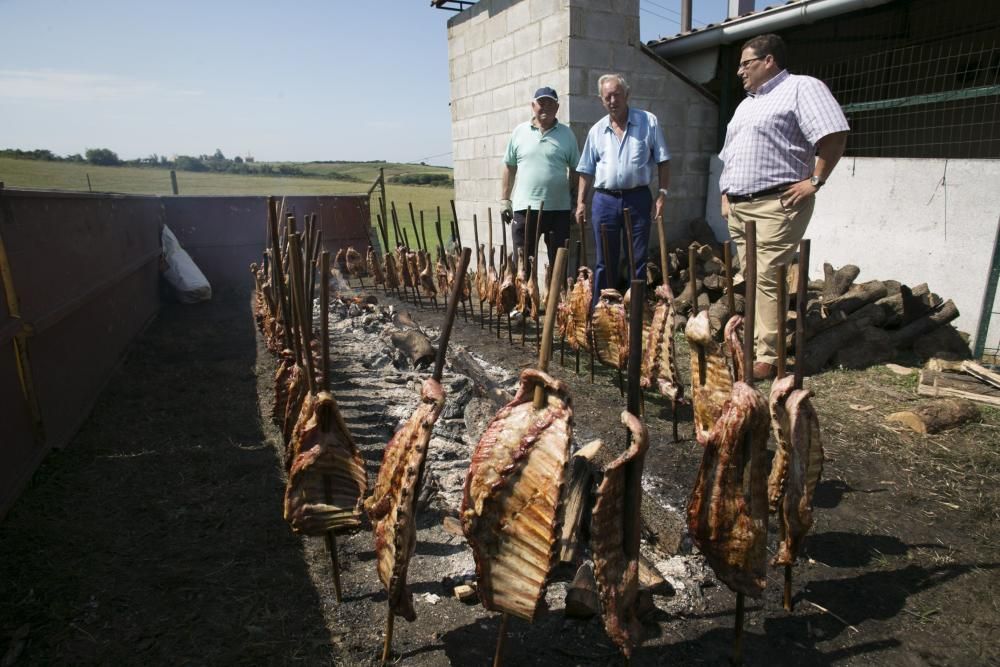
(540, 167)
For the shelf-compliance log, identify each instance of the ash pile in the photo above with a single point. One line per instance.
(392, 351)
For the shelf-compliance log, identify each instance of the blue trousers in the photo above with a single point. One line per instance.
(609, 210)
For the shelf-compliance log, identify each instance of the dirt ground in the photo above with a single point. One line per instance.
(156, 537)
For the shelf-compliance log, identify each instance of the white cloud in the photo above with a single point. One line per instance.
(69, 86)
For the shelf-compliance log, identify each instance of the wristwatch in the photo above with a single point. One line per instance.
(664, 192)
(817, 182)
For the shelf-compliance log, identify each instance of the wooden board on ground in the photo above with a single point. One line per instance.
(939, 384)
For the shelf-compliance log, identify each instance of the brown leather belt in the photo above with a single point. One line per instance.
(776, 190)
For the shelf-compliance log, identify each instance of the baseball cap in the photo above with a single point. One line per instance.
(546, 92)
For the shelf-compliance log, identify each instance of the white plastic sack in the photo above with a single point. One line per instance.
(182, 273)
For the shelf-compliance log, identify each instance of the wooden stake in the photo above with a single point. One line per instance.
(750, 275)
(458, 232)
(628, 237)
(580, 259)
(737, 658)
(782, 319)
(800, 340)
(387, 645)
(665, 275)
(727, 252)
(800, 311)
(304, 316)
(416, 232)
(534, 266)
(278, 272)
(693, 279)
(501, 635)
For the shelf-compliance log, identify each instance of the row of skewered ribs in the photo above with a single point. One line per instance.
(513, 490)
(728, 509)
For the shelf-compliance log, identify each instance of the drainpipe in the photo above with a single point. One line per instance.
(773, 20)
(685, 16)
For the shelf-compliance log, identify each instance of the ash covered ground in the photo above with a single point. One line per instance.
(157, 535)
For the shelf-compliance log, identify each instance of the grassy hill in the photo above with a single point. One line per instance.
(38, 174)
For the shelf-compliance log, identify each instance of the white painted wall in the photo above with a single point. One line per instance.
(911, 220)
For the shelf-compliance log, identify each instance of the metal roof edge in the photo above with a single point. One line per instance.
(769, 20)
(679, 74)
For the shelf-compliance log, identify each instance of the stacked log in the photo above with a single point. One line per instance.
(847, 324)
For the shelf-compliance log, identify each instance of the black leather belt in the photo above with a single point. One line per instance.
(777, 189)
(621, 193)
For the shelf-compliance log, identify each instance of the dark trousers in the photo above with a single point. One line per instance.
(609, 210)
(554, 229)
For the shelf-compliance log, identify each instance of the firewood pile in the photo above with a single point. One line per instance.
(848, 324)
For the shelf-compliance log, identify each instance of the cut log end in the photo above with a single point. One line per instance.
(943, 414)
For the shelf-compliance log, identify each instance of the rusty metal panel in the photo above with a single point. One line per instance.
(225, 234)
(84, 269)
(345, 219)
(222, 235)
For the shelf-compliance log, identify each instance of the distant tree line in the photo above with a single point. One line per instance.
(421, 179)
(216, 163)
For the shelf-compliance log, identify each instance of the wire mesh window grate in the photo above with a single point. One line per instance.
(923, 100)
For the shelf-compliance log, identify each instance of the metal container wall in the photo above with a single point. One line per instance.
(225, 234)
(84, 269)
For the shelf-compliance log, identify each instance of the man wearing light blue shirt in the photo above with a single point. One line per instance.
(624, 156)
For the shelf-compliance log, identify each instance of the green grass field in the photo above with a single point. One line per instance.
(37, 174)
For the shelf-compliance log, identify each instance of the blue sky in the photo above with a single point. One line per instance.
(302, 80)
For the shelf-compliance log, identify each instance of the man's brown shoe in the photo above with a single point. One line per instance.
(764, 371)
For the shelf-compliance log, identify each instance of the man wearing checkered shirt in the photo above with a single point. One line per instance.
(781, 146)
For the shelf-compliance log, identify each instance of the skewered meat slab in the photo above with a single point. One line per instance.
(580, 306)
(413, 268)
(327, 479)
(392, 505)
(780, 391)
(426, 275)
(521, 284)
(610, 329)
(659, 358)
(506, 297)
(297, 390)
(282, 382)
(373, 266)
(533, 295)
(734, 341)
(355, 264)
(711, 383)
(616, 572)
(727, 517)
(512, 493)
(405, 277)
(491, 280)
(307, 408)
(391, 272)
(441, 271)
(805, 466)
(482, 275)
(339, 262)
(564, 312)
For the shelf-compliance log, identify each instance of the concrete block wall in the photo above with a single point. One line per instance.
(500, 51)
(604, 38)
